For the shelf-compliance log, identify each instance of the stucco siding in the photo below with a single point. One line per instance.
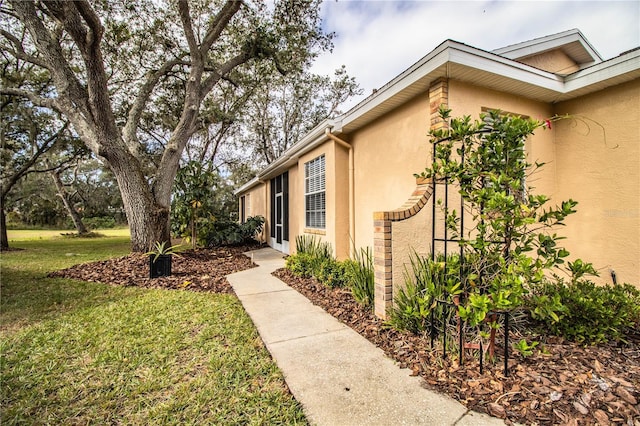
(467, 99)
(598, 162)
(257, 205)
(387, 154)
(555, 61)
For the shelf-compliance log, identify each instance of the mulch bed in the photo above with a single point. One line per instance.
(202, 270)
(569, 384)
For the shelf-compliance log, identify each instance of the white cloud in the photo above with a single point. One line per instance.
(377, 40)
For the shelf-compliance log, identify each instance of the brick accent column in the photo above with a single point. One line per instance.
(383, 221)
(383, 243)
(438, 95)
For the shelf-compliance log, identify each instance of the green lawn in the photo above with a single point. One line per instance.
(79, 353)
(33, 234)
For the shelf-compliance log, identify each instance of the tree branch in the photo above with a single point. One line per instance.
(66, 82)
(220, 22)
(50, 103)
(19, 52)
(135, 113)
(226, 68)
(185, 17)
(46, 145)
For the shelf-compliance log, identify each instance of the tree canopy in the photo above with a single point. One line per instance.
(134, 78)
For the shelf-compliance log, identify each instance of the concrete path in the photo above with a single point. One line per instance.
(338, 376)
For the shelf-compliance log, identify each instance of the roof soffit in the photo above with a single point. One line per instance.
(572, 43)
(465, 63)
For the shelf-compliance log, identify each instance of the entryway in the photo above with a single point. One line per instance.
(280, 213)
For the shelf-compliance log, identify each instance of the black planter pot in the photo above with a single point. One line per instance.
(161, 267)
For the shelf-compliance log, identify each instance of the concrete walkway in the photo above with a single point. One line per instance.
(338, 376)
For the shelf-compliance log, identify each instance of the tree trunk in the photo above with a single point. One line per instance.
(4, 240)
(148, 219)
(66, 200)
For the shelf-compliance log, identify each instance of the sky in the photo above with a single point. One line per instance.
(377, 40)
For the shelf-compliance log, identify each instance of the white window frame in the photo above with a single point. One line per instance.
(315, 193)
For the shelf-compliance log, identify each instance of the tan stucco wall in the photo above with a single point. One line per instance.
(555, 61)
(336, 198)
(257, 206)
(410, 236)
(340, 204)
(466, 99)
(386, 154)
(598, 162)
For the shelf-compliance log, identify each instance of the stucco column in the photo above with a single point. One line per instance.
(383, 243)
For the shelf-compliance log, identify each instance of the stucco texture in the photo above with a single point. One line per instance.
(597, 164)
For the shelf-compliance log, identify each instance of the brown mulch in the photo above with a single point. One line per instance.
(202, 270)
(567, 384)
(570, 384)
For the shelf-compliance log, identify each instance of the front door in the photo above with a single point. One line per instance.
(280, 213)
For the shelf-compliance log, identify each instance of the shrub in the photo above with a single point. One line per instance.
(588, 313)
(215, 233)
(360, 276)
(99, 222)
(424, 285)
(300, 264)
(332, 273)
(311, 245)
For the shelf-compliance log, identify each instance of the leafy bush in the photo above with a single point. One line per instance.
(361, 277)
(587, 313)
(314, 258)
(311, 245)
(301, 264)
(214, 233)
(424, 285)
(332, 273)
(99, 222)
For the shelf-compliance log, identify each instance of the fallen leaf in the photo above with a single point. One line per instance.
(496, 410)
(580, 408)
(597, 366)
(626, 395)
(601, 417)
(555, 396)
(497, 386)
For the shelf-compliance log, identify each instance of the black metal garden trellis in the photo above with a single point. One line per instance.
(441, 238)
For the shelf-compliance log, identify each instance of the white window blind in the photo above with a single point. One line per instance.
(314, 193)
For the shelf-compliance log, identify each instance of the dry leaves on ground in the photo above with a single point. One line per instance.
(200, 270)
(569, 384)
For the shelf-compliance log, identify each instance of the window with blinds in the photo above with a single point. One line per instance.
(314, 193)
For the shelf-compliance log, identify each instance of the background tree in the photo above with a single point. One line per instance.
(286, 107)
(27, 133)
(112, 62)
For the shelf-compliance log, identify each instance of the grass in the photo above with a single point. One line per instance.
(77, 353)
(43, 234)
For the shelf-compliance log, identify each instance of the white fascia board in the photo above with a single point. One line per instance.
(253, 182)
(503, 67)
(437, 57)
(312, 139)
(544, 44)
(459, 53)
(603, 71)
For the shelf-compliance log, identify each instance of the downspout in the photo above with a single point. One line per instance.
(352, 222)
(263, 234)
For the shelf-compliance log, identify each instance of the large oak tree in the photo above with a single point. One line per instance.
(113, 62)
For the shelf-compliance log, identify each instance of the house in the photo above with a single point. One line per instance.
(350, 181)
